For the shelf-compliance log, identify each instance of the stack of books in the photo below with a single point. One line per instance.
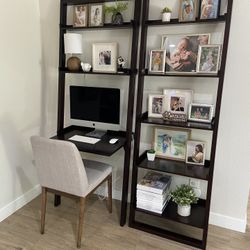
(153, 192)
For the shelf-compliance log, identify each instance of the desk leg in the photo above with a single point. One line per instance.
(57, 200)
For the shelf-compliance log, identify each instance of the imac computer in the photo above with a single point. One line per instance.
(94, 104)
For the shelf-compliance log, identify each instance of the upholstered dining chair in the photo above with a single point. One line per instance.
(62, 171)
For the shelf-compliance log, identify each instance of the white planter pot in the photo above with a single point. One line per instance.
(184, 210)
(151, 157)
(166, 17)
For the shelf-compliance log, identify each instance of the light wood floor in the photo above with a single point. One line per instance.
(101, 231)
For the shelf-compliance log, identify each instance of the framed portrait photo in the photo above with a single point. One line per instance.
(182, 51)
(104, 57)
(208, 59)
(200, 112)
(80, 16)
(209, 9)
(156, 105)
(195, 152)
(96, 15)
(187, 10)
(171, 143)
(157, 61)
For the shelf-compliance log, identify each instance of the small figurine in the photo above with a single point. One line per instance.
(86, 67)
(121, 62)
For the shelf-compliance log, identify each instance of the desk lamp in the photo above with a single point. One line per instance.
(73, 45)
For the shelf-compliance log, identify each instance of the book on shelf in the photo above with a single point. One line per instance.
(154, 182)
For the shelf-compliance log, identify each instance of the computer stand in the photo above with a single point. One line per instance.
(97, 133)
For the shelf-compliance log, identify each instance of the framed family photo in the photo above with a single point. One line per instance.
(157, 61)
(104, 57)
(187, 10)
(200, 112)
(209, 9)
(171, 143)
(96, 15)
(209, 59)
(156, 105)
(81, 15)
(182, 51)
(195, 152)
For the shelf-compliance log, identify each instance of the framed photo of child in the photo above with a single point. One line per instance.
(195, 152)
(200, 112)
(209, 9)
(96, 15)
(156, 105)
(81, 15)
(157, 61)
(187, 10)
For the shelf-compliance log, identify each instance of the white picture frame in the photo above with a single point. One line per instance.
(200, 112)
(196, 152)
(80, 16)
(187, 10)
(157, 61)
(96, 15)
(156, 105)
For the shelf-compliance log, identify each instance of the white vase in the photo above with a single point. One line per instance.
(184, 210)
(150, 156)
(166, 17)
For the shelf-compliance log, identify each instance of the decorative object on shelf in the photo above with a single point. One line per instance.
(121, 63)
(156, 105)
(86, 67)
(200, 112)
(104, 57)
(168, 116)
(171, 143)
(182, 51)
(157, 61)
(166, 14)
(151, 155)
(208, 59)
(187, 10)
(116, 11)
(73, 45)
(195, 152)
(184, 196)
(96, 15)
(209, 9)
(81, 15)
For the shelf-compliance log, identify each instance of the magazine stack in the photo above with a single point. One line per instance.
(153, 192)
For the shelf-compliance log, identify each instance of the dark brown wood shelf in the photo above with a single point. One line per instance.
(175, 167)
(77, 2)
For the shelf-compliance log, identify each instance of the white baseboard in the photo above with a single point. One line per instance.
(13, 206)
(228, 222)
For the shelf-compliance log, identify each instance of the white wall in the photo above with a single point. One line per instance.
(20, 102)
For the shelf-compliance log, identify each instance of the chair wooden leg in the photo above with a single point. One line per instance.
(80, 226)
(109, 201)
(43, 208)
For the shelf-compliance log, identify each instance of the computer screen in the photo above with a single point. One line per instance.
(95, 104)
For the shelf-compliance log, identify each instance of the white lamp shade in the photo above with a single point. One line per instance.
(72, 43)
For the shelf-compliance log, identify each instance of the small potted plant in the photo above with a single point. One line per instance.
(184, 196)
(151, 155)
(166, 14)
(116, 11)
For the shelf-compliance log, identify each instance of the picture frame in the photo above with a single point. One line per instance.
(182, 51)
(178, 100)
(80, 16)
(104, 57)
(171, 143)
(157, 61)
(187, 10)
(209, 9)
(209, 59)
(200, 112)
(156, 105)
(195, 153)
(96, 15)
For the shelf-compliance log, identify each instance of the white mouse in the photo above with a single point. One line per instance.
(113, 140)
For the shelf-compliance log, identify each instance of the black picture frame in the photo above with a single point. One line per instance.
(217, 13)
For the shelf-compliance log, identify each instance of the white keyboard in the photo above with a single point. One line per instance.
(84, 139)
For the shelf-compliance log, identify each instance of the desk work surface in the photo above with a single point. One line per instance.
(102, 147)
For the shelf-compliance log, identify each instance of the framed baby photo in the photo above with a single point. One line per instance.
(171, 143)
(178, 100)
(200, 112)
(195, 152)
(96, 15)
(187, 10)
(182, 51)
(81, 15)
(157, 61)
(208, 59)
(156, 105)
(209, 9)
(104, 57)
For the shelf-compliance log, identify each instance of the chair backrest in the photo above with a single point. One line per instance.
(59, 165)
